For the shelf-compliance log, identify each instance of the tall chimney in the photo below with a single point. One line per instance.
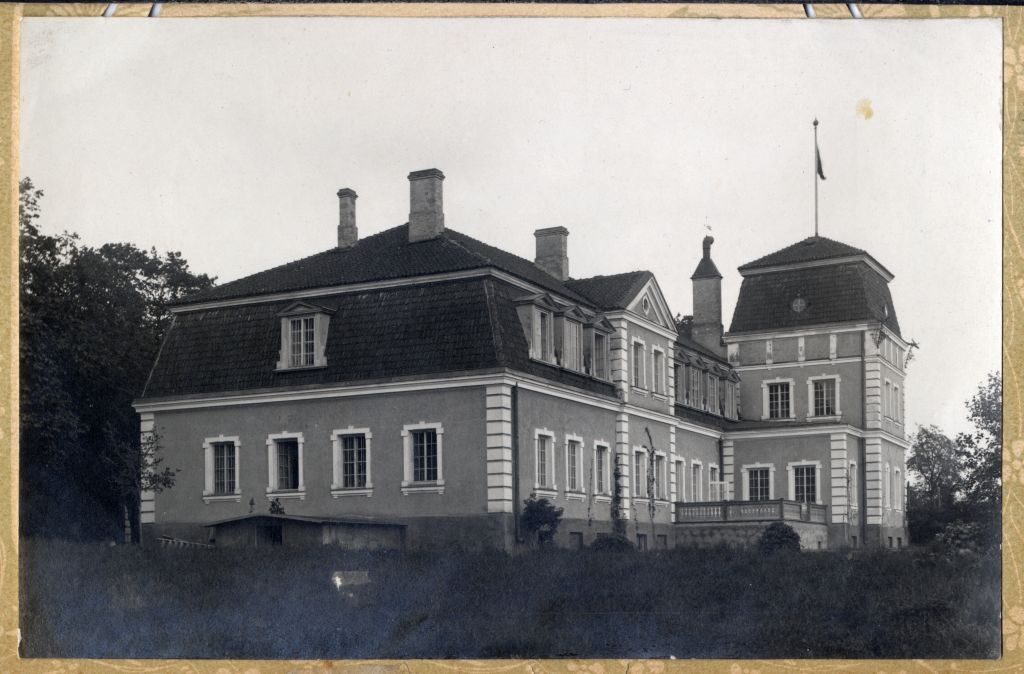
(426, 211)
(347, 232)
(707, 302)
(553, 251)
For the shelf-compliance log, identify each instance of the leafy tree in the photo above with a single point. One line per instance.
(934, 461)
(540, 519)
(92, 320)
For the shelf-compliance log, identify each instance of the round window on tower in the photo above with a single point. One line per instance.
(647, 305)
(799, 304)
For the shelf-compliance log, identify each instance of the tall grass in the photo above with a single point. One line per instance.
(99, 601)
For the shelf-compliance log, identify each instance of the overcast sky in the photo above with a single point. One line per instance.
(227, 139)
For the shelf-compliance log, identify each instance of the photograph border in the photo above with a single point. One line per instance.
(1012, 353)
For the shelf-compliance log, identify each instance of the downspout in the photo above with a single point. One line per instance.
(515, 462)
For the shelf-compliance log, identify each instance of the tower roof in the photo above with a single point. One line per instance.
(813, 249)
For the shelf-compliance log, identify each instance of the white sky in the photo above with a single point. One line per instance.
(227, 139)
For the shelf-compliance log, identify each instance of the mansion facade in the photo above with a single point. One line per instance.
(414, 387)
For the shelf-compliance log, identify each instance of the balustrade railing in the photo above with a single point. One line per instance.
(751, 511)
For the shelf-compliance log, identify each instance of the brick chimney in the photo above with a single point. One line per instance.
(426, 211)
(707, 302)
(553, 251)
(347, 232)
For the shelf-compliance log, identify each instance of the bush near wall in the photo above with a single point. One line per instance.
(123, 601)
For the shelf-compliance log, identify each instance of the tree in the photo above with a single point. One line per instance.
(778, 536)
(92, 320)
(934, 461)
(540, 519)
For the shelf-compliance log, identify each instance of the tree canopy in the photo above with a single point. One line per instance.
(92, 320)
(957, 488)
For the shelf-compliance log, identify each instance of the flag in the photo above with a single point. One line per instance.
(817, 161)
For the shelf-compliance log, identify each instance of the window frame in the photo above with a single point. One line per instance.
(640, 460)
(570, 326)
(301, 311)
(696, 481)
(660, 383)
(273, 491)
(679, 467)
(602, 479)
(599, 356)
(409, 485)
(745, 471)
(337, 462)
(639, 378)
(209, 479)
(550, 489)
(897, 489)
(766, 385)
(791, 475)
(852, 482)
(579, 492)
(811, 383)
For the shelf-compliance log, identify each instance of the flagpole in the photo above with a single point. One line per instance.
(815, 177)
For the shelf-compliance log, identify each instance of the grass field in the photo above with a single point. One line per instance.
(98, 601)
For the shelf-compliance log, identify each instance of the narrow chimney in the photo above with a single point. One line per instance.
(426, 211)
(707, 302)
(553, 251)
(347, 232)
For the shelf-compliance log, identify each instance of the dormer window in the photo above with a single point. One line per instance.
(569, 338)
(303, 336)
(595, 344)
(543, 347)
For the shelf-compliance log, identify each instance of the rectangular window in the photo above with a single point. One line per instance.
(895, 402)
(545, 476)
(572, 449)
(424, 455)
(778, 401)
(694, 387)
(545, 336)
(759, 484)
(600, 356)
(640, 474)
(353, 461)
(680, 480)
(659, 372)
(601, 469)
(677, 379)
(897, 490)
(661, 477)
(641, 542)
(805, 484)
(638, 365)
(223, 468)
(824, 397)
(662, 541)
(730, 400)
(887, 403)
(712, 393)
(302, 339)
(287, 464)
(572, 346)
(852, 481)
(697, 488)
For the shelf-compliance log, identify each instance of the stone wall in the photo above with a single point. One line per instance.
(745, 534)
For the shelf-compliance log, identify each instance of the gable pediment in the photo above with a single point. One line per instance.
(303, 309)
(650, 305)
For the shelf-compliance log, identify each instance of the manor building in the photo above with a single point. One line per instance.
(414, 387)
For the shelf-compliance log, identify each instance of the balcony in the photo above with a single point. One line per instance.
(750, 511)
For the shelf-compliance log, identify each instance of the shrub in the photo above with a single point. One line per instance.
(779, 536)
(540, 518)
(611, 543)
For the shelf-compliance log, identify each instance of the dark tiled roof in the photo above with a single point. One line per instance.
(833, 294)
(706, 269)
(684, 340)
(811, 249)
(384, 256)
(611, 292)
(407, 331)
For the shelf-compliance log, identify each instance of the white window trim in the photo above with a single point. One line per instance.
(408, 485)
(745, 477)
(208, 462)
(337, 471)
(696, 487)
(854, 486)
(719, 480)
(791, 478)
(661, 497)
(897, 491)
(663, 390)
(536, 347)
(580, 492)
(642, 386)
(601, 355)
(810, 397)
(897, 417)
(272, 491)
(547, 490)
(579, 345)
(887, 489)
(680, 486)
(765, 412)
(321, 322)
(887, 399)
(603, 489)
